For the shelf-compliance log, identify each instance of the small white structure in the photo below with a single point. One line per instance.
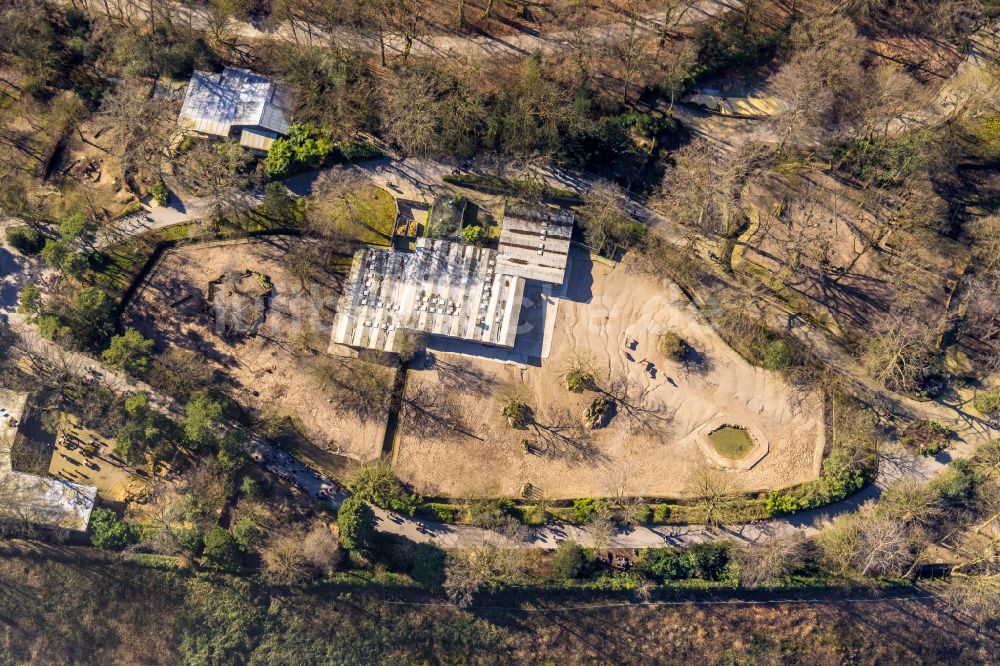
(236, 103)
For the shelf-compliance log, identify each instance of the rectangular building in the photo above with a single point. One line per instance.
(236, 104)
(534, 243)
(442, 288)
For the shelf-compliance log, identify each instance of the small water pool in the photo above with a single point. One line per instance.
(731, 442)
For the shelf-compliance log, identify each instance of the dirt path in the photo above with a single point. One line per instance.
(474, 47)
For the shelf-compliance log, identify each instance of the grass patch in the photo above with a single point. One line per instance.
(374, 209)
(731, 442)
(116, 266)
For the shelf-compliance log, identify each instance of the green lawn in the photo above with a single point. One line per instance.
(730, 442)
(374, 209)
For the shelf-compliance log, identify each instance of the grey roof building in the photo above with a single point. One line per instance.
(442, 288)
(236, 103)
(451, 289)
(534, 243)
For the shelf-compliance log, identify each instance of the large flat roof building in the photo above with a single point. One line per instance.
(451, 289)
(441, 288)
(236, 103)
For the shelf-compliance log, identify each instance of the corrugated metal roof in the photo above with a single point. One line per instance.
(215, 103)
(534, 244)
(257, 139)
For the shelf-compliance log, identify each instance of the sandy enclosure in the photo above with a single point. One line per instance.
(614, 316)
(269, 371)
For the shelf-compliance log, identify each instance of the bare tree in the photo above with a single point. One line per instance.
(135, 128)
(870, 542)
(335, 211)
(362, 386)
(805, 101)
(218, 172)
(702, 189)
(898, 349)
(601, 527)
(632, 49)
(771, 559)
(713, 495)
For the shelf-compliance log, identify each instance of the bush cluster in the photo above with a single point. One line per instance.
(305, 146)
(705, 561)
(929, 438)
(673, 346)
(987, 402)
(839, 480)
(26, 240)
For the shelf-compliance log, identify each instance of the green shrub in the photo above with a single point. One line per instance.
(249, 487)
(929, 438)
(277, 203)
(375, 483)
(598, 412)
(568, 560)
(306, 146)
(109, 532)
(703, 561)
(246, 532)
(661, 563)
(185, 145)
(30, 302)
(585, 508)
(488, 513)
(357, 150)
(441, 513)
(839, 480)
(221, 549)
(987, 402)
(778, 355)
(517, 413)
(673, 346)
(707, 561)
(130, 208)
(159, 192)
(642, 514)
(579, 379)
(661, 513)
(356, 522)
(532, 515)
(957, 483)
(428, 565)
(129, 352)
(52, 327)
(26, 240)
(650, 125)
(474, 235)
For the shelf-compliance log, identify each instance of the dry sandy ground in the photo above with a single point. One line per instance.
(269, 372)
(653, 452)
(821, 230)
(108, 473)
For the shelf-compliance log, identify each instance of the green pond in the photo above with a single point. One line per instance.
(731, 442)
